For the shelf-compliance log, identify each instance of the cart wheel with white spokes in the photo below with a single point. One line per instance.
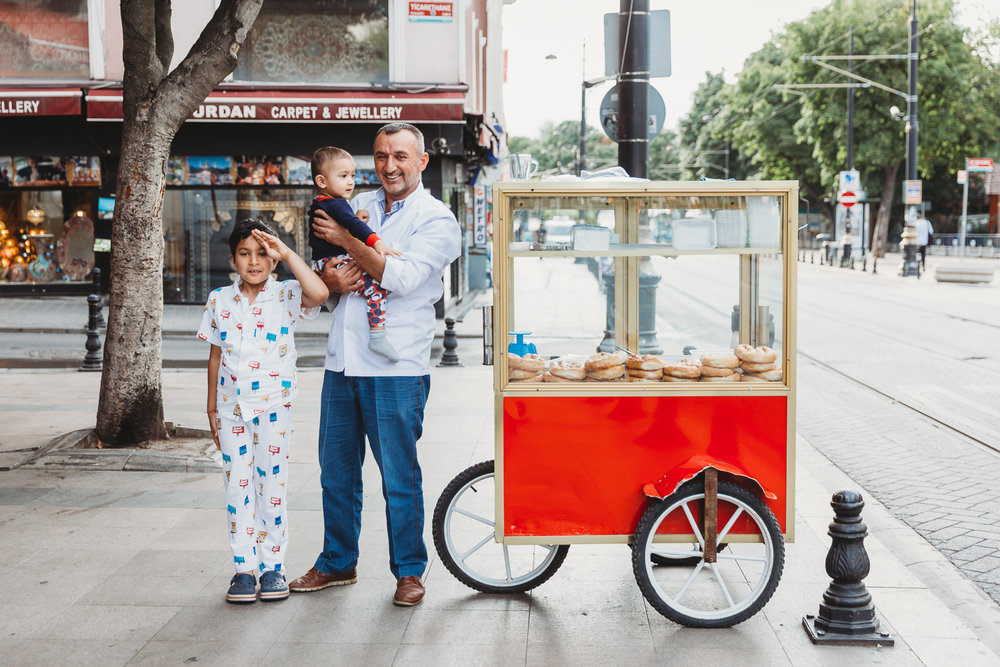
(464, 536)
(679, 559)
(703, 594)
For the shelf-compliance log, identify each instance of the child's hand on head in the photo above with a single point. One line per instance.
(362, 215)
(276, 249)
(383, 249)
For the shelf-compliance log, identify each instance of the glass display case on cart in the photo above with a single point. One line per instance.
(644, 384)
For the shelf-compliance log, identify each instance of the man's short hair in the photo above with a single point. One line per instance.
(244, 228)
(324, 156)
(393, 128)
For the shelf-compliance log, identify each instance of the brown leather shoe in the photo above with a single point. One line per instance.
(314, 580)
(409, 592)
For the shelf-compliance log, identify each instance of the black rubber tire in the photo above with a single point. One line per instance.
(762, 589)
(473, 579)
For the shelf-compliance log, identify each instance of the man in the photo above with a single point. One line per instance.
(366, 395)
(924, 232)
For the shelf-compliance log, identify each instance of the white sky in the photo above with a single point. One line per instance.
(706, 36)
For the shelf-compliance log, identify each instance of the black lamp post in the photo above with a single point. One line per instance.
(910, 265)
(584, 86)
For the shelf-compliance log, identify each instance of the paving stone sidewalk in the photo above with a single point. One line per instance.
(942, 484)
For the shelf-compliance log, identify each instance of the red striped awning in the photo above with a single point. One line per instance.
(248, 106)
(27, 102)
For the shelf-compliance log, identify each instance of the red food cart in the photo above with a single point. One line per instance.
(691, 461)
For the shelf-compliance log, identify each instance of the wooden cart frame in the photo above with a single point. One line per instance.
(583, 462)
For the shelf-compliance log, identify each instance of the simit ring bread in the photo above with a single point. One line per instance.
(567, 370)
(726, 360)
(603, 360)
(682, 369)
(529, 362)
(646, 362)
(755, 355)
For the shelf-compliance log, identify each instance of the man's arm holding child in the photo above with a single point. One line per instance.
(371, 261)
(356, 223)
(314, 291)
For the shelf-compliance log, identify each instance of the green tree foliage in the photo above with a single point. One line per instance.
(664, 156)
(557, 148)
(705, 146)
(801, 134)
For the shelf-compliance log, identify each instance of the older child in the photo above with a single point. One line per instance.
(333, 174)
(251, 384)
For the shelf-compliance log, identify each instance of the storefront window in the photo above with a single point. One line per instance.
(309, 41)
(46, 236)
(196, 228)
(46, 39)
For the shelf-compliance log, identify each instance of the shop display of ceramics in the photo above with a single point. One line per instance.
(75, 247)
(17, 273)
(42, 270)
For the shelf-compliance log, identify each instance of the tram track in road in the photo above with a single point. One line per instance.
(896, 400)
(916, 343)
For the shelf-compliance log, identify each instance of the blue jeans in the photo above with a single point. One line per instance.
(390, 412)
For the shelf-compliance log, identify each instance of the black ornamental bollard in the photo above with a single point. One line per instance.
(847, 615)
(449, 357)
(100, 305)
(93, 360)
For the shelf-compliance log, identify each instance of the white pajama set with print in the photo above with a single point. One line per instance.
(256, 385)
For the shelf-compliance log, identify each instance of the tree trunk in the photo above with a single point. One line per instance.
(155, 104)
(880, 238)
(131, 403)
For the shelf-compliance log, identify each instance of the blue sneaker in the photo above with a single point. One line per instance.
(273, 586)
(242, 589)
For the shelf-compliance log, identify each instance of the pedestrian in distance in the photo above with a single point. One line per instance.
(364, 394)
(541, 234)
(333, 174)
(251, 384)
(924, 233)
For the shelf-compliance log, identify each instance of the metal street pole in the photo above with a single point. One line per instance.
(912, 126)
(849, 211)
(581, 162)
(850, 112)
(633, 84)
(910, 266)
(965, 208)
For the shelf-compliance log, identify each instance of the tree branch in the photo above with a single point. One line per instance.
(164, 35)
(142, 71)
(210, 60)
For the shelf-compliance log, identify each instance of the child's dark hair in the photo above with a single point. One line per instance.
(243, 230)
(324, 156)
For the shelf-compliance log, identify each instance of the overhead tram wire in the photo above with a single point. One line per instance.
(886, 7)
(765, 90)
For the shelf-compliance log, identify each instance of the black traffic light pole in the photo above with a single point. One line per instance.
(633, 84)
